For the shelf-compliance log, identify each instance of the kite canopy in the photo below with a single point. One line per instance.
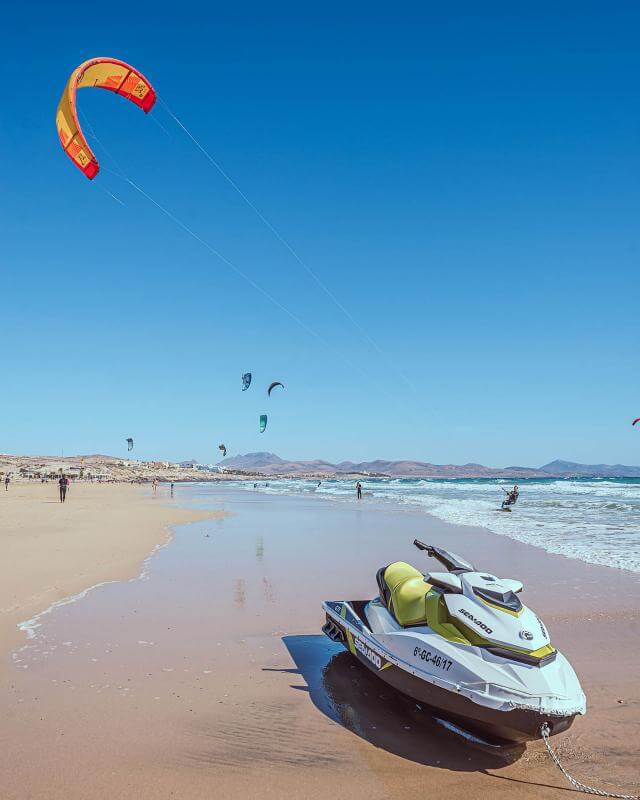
(246, 381)
(223, 449)
(635, 420)
(273, 386)
(263, 422)
(100, 73)
(129, 443)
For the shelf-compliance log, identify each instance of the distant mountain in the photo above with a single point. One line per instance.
(271, 464)
(571, 468)
(251, 461)
(421, 469)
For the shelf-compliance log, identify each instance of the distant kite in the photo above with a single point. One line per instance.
(246, 381)
(129, 444)
(98, 73)
(263, 422)
(635, 420)
(223, 449)
(273, 386)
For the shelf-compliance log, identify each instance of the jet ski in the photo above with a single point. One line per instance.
(462, 643)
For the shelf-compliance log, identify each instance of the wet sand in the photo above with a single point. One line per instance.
(210, 678)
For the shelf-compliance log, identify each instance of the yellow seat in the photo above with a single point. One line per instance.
(408, 593)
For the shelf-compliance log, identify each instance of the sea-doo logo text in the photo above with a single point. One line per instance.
(367, 652)
(478, 622)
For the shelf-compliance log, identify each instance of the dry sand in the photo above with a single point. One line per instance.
(210, 678)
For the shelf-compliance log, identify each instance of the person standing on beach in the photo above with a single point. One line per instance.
(359, 490)
(171, 488)
(6, 483)
(155, 486)
(63, 483)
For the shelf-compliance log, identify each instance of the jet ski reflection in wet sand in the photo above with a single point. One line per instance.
(462, 643)
(511, 499)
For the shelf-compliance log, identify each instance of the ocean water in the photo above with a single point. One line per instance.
(595, 520)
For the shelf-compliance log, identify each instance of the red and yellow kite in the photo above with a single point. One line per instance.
(101, 73)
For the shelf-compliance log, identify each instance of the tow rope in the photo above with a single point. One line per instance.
(545, 732)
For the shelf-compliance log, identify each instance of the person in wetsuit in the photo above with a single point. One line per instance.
(512, 497)
(63, 483)
(359, 490)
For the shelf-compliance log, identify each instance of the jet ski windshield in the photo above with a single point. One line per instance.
(506, 599)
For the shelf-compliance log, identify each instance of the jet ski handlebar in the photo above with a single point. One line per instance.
(451, 561)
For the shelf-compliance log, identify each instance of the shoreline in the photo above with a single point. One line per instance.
(191, 513)
(414, 506)
(55, 556)
(30, 626)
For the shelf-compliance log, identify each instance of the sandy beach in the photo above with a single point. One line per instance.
(210, 677)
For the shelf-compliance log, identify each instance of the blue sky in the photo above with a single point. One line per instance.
(465, 183)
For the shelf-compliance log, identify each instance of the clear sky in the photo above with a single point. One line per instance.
(465, 181)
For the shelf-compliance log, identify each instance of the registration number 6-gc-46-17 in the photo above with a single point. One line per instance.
(433, 658)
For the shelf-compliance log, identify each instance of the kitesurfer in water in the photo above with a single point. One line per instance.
(359, 490)
(512, 496)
